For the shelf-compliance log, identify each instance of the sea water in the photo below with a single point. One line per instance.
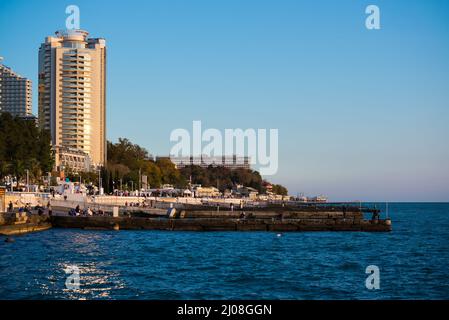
(413, 262)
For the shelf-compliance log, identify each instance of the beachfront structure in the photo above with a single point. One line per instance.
(231, 162)
(15, 92)
(206, 192)
(73, 159)
(246, 192)
(72, 92)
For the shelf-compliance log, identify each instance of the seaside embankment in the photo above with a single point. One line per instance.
(281, 220)
(213, 223)
(173, 216)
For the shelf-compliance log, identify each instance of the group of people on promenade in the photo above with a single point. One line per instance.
(86, 212)
(29, 209)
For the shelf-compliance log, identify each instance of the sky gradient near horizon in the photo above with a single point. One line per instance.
(362, 114)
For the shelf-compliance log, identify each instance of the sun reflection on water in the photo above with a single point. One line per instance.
(96, 282)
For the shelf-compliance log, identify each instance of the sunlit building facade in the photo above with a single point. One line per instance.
(72, 92)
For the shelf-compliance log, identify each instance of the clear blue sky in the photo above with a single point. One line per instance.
(361, 114)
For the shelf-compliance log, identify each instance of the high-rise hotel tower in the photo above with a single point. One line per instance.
(72, 92)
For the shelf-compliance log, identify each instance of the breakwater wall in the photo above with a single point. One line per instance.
(229, 221)
(21, 223)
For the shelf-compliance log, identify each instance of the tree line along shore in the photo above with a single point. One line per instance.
(26, 149)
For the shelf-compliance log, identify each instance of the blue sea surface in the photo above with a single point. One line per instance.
(413, 260)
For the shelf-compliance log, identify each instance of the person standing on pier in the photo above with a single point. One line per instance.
(50, 211)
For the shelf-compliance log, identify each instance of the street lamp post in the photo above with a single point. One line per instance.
(140, 180)
(99, 182)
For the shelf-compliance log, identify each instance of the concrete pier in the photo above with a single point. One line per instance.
(230, 221)
(205, 218)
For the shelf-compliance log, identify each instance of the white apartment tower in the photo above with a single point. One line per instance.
(15, 92)
(72, 92)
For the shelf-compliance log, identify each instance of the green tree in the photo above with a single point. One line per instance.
(154, 174)
(280, 190)
(169, 173)
(126, 160)
(23, 147)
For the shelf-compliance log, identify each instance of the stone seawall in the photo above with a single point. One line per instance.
(322, 222)
(21, 223)
(273, 214)
(203, 220)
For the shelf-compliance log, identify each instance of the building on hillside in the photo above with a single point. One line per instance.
(230, 162)
(206, 192)
(246, 192)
